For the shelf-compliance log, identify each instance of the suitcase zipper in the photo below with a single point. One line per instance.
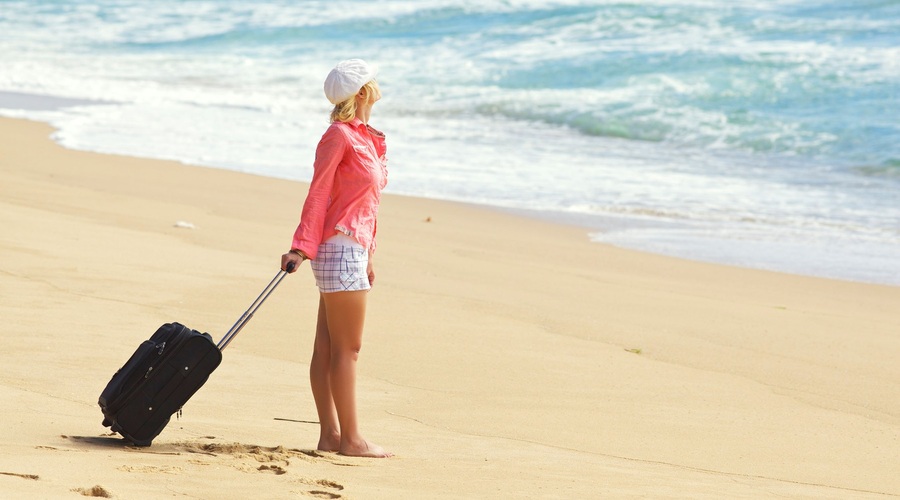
(159, 350)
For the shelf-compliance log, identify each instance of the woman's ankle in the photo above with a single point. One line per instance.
(329, 441)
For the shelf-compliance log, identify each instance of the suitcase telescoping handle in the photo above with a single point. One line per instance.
(248, 314)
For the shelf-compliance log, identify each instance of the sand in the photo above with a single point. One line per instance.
(504, 357)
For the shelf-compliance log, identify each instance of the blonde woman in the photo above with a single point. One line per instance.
(337, 235)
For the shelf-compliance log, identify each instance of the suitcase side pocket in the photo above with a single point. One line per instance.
(169, 387)
(127, 378)
(139, 367)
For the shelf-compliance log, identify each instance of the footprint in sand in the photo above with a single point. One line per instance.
(96, 491)
(272, 468)
(267, 455)
(322, 494)
(275, 459)
(151, 469)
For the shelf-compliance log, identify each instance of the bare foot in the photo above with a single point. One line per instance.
(364, 449)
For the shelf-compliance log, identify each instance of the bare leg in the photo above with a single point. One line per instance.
(346, 312)
(319, 380)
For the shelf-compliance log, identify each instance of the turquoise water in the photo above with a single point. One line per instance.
(761, 134)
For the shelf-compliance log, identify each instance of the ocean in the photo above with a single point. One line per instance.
(762, 134)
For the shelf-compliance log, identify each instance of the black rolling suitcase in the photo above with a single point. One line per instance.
(163, 373)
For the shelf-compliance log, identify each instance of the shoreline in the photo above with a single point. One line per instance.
(692, 244)
(504, 356)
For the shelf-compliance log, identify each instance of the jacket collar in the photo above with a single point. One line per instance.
(356, 123)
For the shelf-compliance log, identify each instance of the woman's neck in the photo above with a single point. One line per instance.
(363, 113)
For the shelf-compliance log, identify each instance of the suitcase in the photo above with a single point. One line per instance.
(163, 373)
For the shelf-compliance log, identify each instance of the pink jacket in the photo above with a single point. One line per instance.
(350, 171)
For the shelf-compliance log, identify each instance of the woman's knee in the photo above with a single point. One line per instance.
(349, 352)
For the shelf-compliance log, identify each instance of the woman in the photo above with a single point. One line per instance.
(337, 234)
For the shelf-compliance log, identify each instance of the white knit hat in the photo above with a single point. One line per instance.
(345, 80)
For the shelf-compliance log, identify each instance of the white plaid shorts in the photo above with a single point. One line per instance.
(341, 267)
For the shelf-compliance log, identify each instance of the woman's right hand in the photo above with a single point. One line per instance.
(291, 261)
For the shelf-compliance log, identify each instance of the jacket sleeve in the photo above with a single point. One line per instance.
(329, 153)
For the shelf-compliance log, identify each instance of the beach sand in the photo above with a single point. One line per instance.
(503, 357)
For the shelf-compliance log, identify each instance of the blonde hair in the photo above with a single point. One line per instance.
(346, 111)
